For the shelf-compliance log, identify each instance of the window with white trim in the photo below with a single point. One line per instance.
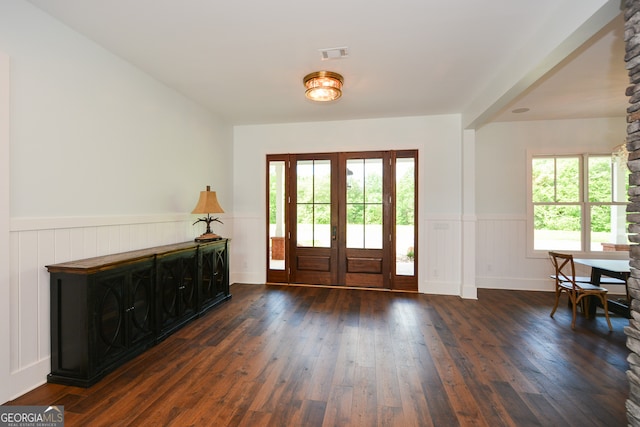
(578, 202)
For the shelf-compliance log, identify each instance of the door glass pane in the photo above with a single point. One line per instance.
(355, 231)
(304, 229)
(276, 214)
(364, 203)
(405, 216)
(304, 173)
(322, 181)
(322, 225)
(373, 226)
(373, 181)
(313, 198)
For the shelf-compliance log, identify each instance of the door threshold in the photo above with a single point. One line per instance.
(359, 288)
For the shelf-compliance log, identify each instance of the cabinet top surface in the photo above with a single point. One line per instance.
(91, 265)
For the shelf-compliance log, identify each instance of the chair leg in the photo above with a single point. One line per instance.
(584, 306)
(574, 309)
(606, 310)
(583, 302)
(555, 307)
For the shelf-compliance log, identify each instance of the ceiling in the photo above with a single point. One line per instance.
(591, 82)
(245, 61)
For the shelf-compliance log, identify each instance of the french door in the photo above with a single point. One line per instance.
(334, 219)
(313, 210)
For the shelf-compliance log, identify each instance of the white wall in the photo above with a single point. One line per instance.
(103, 136)
(5, 330)
(501, 192)
(438, 139)
(103, 159)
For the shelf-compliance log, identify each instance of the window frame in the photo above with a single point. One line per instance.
(584, 204)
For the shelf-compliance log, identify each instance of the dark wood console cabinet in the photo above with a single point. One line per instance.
(107, 310)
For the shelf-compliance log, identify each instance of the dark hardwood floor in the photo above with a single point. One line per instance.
(305, 356)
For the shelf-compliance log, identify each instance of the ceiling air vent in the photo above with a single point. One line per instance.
(334, 53)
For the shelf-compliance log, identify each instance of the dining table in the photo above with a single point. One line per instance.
(613, 268)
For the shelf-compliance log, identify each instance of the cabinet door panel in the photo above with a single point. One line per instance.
(187, 293)
(110, 308)
(177, 291)
(141, 306)
(168, 282)
(214, 285)
(220, 276)
(207, 283)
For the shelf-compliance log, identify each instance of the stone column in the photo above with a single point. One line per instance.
(632, 59)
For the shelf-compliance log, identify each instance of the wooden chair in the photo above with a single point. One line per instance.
(565, 277)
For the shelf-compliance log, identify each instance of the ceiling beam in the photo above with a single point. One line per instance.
(487, 105)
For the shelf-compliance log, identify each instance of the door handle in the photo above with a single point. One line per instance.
(334, 230)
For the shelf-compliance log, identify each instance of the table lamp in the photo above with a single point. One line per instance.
(207, 204)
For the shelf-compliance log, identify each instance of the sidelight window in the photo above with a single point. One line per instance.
(405, 216)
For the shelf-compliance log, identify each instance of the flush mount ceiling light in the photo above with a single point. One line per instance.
(323, 86)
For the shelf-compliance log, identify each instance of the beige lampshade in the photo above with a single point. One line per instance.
(208, 203)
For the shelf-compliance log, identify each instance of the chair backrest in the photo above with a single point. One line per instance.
(564, 266)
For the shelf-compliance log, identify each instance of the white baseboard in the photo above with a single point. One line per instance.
(539, 284)
(440, 288)
(469, 292)
(514, 283)
(30, 377)
(247, 277)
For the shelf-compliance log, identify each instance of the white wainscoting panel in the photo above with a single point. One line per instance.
(441, 256)
(35, 243)
(502, 261)
(248, 253)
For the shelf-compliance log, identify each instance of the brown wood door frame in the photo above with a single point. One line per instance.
(342, 261)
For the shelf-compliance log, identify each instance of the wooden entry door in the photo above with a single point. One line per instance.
(340, 218)
(345, 219)
(314, 219)
(364, 219)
